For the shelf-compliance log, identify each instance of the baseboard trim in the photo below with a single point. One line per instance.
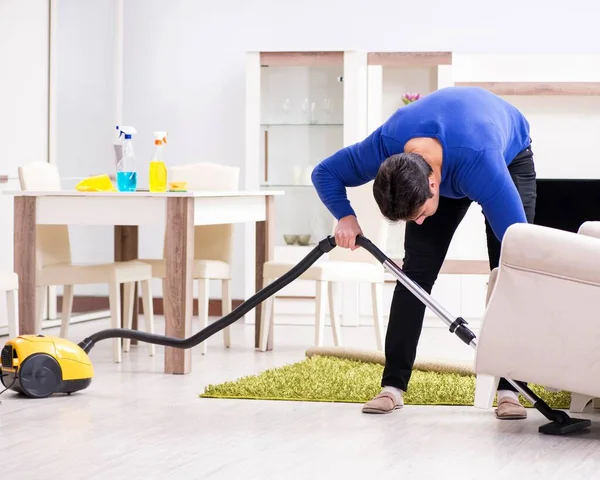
(89, 303)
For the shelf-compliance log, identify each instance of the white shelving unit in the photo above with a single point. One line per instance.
(304, 106)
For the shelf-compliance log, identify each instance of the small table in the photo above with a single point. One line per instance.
(178, 212)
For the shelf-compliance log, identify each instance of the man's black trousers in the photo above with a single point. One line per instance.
(425, 248)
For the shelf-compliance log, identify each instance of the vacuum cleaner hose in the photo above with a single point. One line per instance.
(324, 246)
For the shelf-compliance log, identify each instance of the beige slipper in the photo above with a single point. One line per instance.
(510, 409)
(385, 402)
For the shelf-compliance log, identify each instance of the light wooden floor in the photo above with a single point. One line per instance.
(136, 422)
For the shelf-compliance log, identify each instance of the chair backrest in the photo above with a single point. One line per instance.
(53, 245)
(374, 226)
(211, 242)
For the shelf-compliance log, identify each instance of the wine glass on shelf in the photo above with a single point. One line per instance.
(305, 111)
(327, 110)
(286, 110)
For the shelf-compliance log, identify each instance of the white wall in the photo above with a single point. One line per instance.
(564, 130)
(85, 113)
(23, 104)
(565, 134)
(184, 65)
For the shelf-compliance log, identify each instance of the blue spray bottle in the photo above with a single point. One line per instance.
(126, 172)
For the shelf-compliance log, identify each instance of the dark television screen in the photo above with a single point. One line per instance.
(567, 203)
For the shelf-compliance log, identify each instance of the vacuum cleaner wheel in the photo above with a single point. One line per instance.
(39, 375)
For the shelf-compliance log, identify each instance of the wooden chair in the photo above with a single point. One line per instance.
(54, 266)
(213, 244)
(342, 265)
(9, 283)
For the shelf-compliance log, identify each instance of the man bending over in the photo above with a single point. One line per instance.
(430, 160)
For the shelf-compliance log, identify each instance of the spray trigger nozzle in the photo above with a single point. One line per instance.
(160, 138)
(127, 131)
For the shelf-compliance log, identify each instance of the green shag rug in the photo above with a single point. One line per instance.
(331, 379)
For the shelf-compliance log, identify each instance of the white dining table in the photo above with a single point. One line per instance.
(178, 212)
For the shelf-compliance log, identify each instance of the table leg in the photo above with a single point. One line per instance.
(24, 261)
(264, 252)
(126, 248)
(178, 296)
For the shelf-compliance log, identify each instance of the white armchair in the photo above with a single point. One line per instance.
(342, 265)
(578, 400)
(540, 325)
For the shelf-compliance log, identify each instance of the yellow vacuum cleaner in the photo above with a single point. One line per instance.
(39, 366)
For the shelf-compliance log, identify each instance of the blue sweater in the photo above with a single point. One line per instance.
(480, 134)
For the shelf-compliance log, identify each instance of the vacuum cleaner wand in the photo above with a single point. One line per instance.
(560, 423)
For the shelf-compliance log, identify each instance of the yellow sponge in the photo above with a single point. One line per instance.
(178, 186)
(97, 183)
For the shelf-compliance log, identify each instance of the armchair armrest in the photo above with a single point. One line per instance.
(553, 252)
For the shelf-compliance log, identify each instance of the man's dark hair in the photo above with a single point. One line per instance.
(401, 186)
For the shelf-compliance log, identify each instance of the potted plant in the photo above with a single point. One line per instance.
(410, 98)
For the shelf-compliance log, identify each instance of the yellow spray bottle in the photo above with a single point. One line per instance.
(157, 176)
